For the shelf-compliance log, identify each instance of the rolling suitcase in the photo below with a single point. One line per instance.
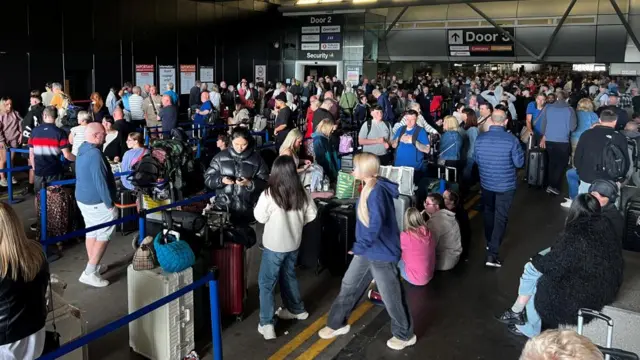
(232, 283)
(311, 244)
(631, 239)
(536, 165)
(451, 182)
(608, 351)
(338, 236)
(401, 204)
(63, 215)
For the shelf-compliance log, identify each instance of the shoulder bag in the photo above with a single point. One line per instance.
(526, 134)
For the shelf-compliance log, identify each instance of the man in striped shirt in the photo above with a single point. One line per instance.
(136, 108)
(46, 144)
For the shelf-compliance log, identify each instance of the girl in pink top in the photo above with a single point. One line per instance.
(418, 249)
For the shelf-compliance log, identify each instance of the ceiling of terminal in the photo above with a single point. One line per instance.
(329, 5)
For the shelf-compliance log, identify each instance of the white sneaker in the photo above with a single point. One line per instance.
(329, 333)
(4, 182)
(101, 269)
(93, 279)
(267, 331)
(397, 344)
(285, 314)
(14, 181)
(567, 203)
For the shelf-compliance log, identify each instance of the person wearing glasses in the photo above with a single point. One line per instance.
(135, 143)
(445, 231)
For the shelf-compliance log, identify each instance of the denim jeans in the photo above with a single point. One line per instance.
(495, 211)
(467, 173)
(355, 283)
(528, 286)
(276, 266)
(558, 159)
(403, 273)
(574, 183)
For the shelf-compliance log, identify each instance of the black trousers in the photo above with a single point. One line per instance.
(558, 154)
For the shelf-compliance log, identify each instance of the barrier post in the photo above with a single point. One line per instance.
(216, 330)
(142, 225)
(266, 136)
(198, 149)
(145, 132)
(43, 215)
(9, 176)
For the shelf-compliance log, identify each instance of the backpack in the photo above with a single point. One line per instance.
(414, 136)
(613, 161)
(370, 121)
(146, 174)
(346, 144)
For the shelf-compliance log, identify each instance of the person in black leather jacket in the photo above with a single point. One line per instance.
(24, 276)
(240, 173)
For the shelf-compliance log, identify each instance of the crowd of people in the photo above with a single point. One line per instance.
(473, 126)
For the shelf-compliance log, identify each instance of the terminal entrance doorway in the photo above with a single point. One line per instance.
(318, 71)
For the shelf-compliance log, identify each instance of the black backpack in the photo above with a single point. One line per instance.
(146, 173)
(614, 161)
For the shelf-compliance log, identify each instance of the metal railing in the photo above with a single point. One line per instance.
(9, 171)
(210, 278)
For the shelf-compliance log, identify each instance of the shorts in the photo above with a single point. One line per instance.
(98, 214)
(40, 180)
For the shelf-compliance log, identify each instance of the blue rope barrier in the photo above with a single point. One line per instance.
(180, 203)
(96, 334)
(15, 169)
(81, 232)
(24, 151)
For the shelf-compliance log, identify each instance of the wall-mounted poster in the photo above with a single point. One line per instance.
(187, 78)
(144, 74)
(206, 75)
(353, 74)
(166, 74)
(261, 73)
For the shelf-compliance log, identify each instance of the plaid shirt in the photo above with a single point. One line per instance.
(625, 101)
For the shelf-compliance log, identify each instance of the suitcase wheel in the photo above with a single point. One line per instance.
(239, 317)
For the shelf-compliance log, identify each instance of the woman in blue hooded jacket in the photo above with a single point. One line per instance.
(376, 255)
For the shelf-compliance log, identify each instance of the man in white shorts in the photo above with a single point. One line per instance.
(95, 191)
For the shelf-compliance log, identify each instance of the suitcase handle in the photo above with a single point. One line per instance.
(598, 315)
(618, 354)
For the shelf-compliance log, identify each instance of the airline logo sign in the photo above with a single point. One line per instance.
(485, 42)
(321, 37)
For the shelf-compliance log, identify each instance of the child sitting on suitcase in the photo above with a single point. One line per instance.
(284, 207)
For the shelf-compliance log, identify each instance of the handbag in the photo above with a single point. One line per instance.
(51, 338)
(144, 258)
(525, 134)
(347, 187)
(174, 255)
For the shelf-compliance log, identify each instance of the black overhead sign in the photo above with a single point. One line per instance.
(321, 37)
(486, 42)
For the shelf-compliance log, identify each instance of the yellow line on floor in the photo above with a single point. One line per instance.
(319, 346)
(472, 202)
(303, 336)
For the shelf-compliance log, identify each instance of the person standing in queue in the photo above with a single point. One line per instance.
(95, 194)
(374, 136)
(283, 119)
(498, 155)
(168, 115)
(376, 255)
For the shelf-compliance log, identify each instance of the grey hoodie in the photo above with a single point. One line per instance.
(496, 98)
(558, 121)
(446, 233)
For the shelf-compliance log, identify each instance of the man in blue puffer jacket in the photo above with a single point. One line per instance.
(498, 155)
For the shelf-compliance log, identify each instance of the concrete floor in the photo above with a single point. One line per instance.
(452, 315)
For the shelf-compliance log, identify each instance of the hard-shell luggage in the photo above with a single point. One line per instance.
(631, 239)
(401, 204)
(311, 244)
(536, 165)
(167, 333)
(63, 215)
(608, 351)
(126, 197)
(232, 283)
(451, 181)
(338, 236)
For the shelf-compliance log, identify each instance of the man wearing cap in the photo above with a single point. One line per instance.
(283, 119)
(606, 191)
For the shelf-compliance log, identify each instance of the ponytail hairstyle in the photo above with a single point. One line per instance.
(366, 165)
(413, 220)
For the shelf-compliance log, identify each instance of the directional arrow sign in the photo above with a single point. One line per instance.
(455, 37)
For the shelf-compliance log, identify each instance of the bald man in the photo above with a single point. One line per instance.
(95, 194)
(203, 112)
(168, 115)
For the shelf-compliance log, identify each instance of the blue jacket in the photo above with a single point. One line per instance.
(385, 104)
(450, 146)
(585, 120)
(472, 135)
(381, 240)
(558, 121)
(498, 155)
(95, 184)
(326, 156)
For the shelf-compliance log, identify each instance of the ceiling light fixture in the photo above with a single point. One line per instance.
(329, 1)
(363, 1)
(307, 2)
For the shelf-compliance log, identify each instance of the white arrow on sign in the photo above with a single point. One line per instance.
(456, 37)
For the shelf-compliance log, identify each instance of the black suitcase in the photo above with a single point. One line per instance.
(609, 352)
(338, 236)
(631, 240)
(536, 167)
(311, 245)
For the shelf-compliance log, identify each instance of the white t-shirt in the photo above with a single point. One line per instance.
(135, 105)
(282, 229)
(78, 138)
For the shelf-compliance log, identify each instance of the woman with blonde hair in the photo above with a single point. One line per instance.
(560, 344)
(450, 143)
(376, 254)
(24, 276)
(291, 146)
(325, 153)
(586, 119)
